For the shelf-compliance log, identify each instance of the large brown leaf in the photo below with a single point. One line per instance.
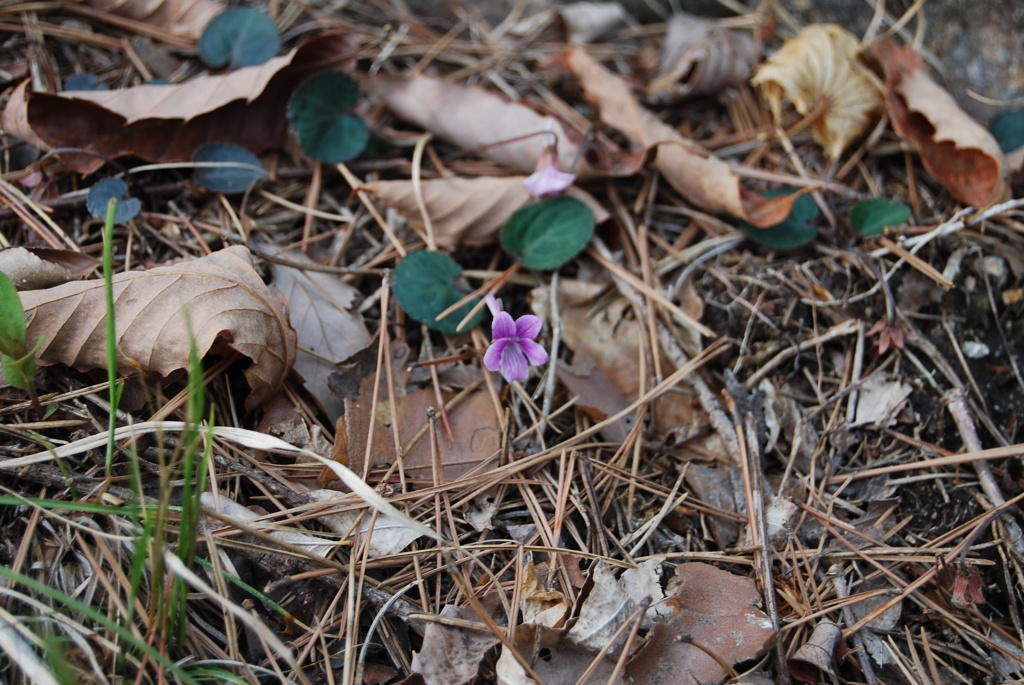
(185, 18)
(503, 131)
(220, 299)
(702, 179)
(166, 123)
(466, 211)
(717, 613)
(954, 148)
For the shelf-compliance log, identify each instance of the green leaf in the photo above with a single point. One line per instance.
(239, 37)
(241, 168)
(548, 234)
(873, 216)
(425, 287)
(20, 373)
(12, 320)
(112, 188)
(318, 114)
(793, 231)
(1008, 128)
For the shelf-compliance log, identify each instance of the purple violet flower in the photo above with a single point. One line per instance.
(513, 345)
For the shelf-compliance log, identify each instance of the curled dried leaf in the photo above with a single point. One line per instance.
(699, 57)
(954, 148)
(819, 72)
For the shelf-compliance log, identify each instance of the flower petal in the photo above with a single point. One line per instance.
(493, 303)
(503, 326)
(492, 357)
(549, 181)
(534, 353)
(528, 326)
(513, 363)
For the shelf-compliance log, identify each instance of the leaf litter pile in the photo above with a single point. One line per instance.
(530, 347)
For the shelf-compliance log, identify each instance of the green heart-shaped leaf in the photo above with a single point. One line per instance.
(793, 231)
(241, 168)
(239, 37)
(873, 216)
(107, 189)
(548, 234)
(425, 287)
(325, 130)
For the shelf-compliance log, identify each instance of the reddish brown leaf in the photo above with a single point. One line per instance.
(220, 299)
(717, 616)
(954, 148)
(702, 179)
(466, 211)
(476, 430)
(166, 123)
(503, 131)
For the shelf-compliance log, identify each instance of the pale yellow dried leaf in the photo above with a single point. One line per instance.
(818, 71)
(219, 299)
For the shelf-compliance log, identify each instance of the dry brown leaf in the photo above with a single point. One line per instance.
(478, 120)
(702, 179)
(220, 298)
(608, 333)
(166, 123)
(819, 72)
(466, 211)
(954, 148)
(699, 57)
(36, 268)
(717, 610)
(451, 655)
(476, 431)
(328, 331)
(185, 18)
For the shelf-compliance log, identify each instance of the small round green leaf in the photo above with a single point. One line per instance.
(317, 110)
(240, 169)
(12, 319)
(425, 287)
(548, 234)
(793, 231)
(873, 216)
(1008, 129)
(112, 188)
(239, 37)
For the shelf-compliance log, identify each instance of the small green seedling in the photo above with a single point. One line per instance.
(425, 287)
(324, 127)
(548, 234)
(238, 168)
(872, 217)
(112, 188)
(19, 362)
(795, 230)
(239, 37)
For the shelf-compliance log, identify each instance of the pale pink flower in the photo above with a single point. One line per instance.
(547, 180)
(513, 343)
